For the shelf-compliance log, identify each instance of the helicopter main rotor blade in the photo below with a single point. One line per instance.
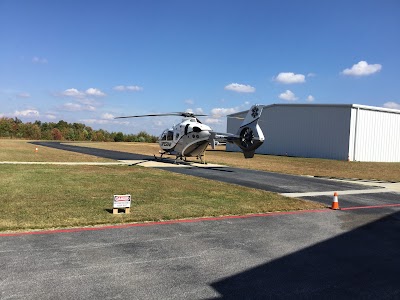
(151, 115)
(181, 114)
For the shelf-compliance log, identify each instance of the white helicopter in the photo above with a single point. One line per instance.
(191, 137)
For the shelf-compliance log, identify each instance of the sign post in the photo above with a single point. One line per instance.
(123, 202)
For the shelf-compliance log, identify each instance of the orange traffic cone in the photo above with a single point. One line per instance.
(335, 202)
(36, 150)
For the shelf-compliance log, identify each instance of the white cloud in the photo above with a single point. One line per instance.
(77, 107)
(310, 98)
(94, 92)
(197, 111)
(50, 116)
(87, 101)
(288, 96)
(107, 116)
(289, 78)
(362, 69)
(103, 122)
(29, 113)
(39, 60)
(221, 112)
(132, 88)
(189, 101)
(119, 88)
(218, 118)
(95, 121)
(75, 93)
(392, 105)
(240, 88)
(23, 95)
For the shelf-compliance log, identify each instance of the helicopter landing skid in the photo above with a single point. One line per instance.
(202, 159)
(180, 158)
(161, 156)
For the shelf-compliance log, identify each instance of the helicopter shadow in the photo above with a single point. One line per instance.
(189, 164)
(220, 169)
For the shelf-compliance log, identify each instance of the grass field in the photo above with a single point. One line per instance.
(21, 150)
(280, 164)
(43, 196)
(48, 196)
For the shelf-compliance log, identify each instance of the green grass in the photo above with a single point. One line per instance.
(43, 196)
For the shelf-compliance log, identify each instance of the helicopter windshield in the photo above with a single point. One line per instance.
(167, 135)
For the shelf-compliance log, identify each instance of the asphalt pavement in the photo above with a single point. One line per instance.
(306, 255)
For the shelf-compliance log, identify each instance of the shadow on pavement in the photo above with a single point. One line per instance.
(363, 263)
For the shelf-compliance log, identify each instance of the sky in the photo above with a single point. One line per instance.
(90, 61)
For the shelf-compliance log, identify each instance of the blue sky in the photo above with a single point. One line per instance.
(89, 61)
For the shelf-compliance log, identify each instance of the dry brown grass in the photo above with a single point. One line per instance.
(280, 164)
(22, 150)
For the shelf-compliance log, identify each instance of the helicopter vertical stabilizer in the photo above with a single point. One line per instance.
(250, 136)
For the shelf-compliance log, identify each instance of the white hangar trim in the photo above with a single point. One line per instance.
(335, 131)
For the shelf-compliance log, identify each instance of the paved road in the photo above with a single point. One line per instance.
(307, 255)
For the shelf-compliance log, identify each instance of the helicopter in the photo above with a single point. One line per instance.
(191, 137)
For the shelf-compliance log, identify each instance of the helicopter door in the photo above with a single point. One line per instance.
(186, 129)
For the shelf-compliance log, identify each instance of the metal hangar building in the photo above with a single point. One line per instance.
(343, 131)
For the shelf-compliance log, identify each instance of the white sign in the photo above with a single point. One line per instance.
(122, 201)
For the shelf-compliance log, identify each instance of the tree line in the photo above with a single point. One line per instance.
(15, 128)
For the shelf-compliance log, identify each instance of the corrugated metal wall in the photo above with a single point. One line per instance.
(307, 131)
(354, 132)
(304, 130)
(375, 135)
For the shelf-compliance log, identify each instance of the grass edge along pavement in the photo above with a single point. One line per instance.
(45, 197)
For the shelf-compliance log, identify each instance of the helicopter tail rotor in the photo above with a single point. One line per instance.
(250, 136)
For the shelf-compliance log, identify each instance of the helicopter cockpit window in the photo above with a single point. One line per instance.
(170, 135)
(164, 136)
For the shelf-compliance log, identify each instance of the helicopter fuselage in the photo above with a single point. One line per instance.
(191, 137)
(186, 139)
